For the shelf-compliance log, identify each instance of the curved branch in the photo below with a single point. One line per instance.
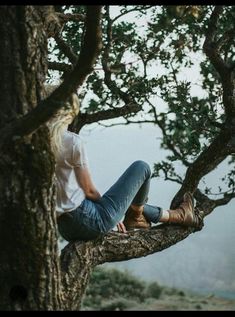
(204, 202)
(86, 118)
(49, 106)
(79, 258)
(214, 154)
(225, 200)
(208, 205)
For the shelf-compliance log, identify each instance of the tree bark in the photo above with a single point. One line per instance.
(29, 266)
(30, 272)
(79, 258)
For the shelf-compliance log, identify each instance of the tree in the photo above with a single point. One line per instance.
(199, 132)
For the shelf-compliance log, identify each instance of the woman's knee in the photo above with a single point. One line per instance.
(142, 166)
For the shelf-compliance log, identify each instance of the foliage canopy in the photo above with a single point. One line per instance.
(154, 56)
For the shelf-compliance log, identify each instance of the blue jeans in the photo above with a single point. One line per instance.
(93, 218)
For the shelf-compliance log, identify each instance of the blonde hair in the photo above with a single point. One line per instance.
(59, 123)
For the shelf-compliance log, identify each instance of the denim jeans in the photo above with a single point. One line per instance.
(93, 218)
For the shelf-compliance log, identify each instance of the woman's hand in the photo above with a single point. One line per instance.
(121, 227)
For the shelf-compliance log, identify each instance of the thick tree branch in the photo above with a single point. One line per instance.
(214, 154)
(78, 258)
(204, 202)
(225, 200)
(48, 107)
(208, 205)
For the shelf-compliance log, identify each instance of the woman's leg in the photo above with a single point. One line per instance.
(131, 188)
(94, 217)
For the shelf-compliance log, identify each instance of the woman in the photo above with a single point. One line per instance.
(83, 213)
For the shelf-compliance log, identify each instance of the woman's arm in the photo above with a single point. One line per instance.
(84, 180)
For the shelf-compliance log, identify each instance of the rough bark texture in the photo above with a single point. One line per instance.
(29, 269)
(79, 258)
(29, 260)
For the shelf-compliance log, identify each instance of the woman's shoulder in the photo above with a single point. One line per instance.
(74, 136)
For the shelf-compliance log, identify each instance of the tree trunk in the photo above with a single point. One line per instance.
(29, 266)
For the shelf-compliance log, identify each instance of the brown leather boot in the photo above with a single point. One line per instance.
(135, 220)
(185, 214)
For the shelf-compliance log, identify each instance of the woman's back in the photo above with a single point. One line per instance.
(72, 154)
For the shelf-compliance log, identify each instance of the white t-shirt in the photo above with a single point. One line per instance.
(69, 193)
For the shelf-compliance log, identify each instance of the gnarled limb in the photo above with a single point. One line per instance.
(79, 258)
(214, 154)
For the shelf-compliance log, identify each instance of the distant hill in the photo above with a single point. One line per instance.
(114, 290)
